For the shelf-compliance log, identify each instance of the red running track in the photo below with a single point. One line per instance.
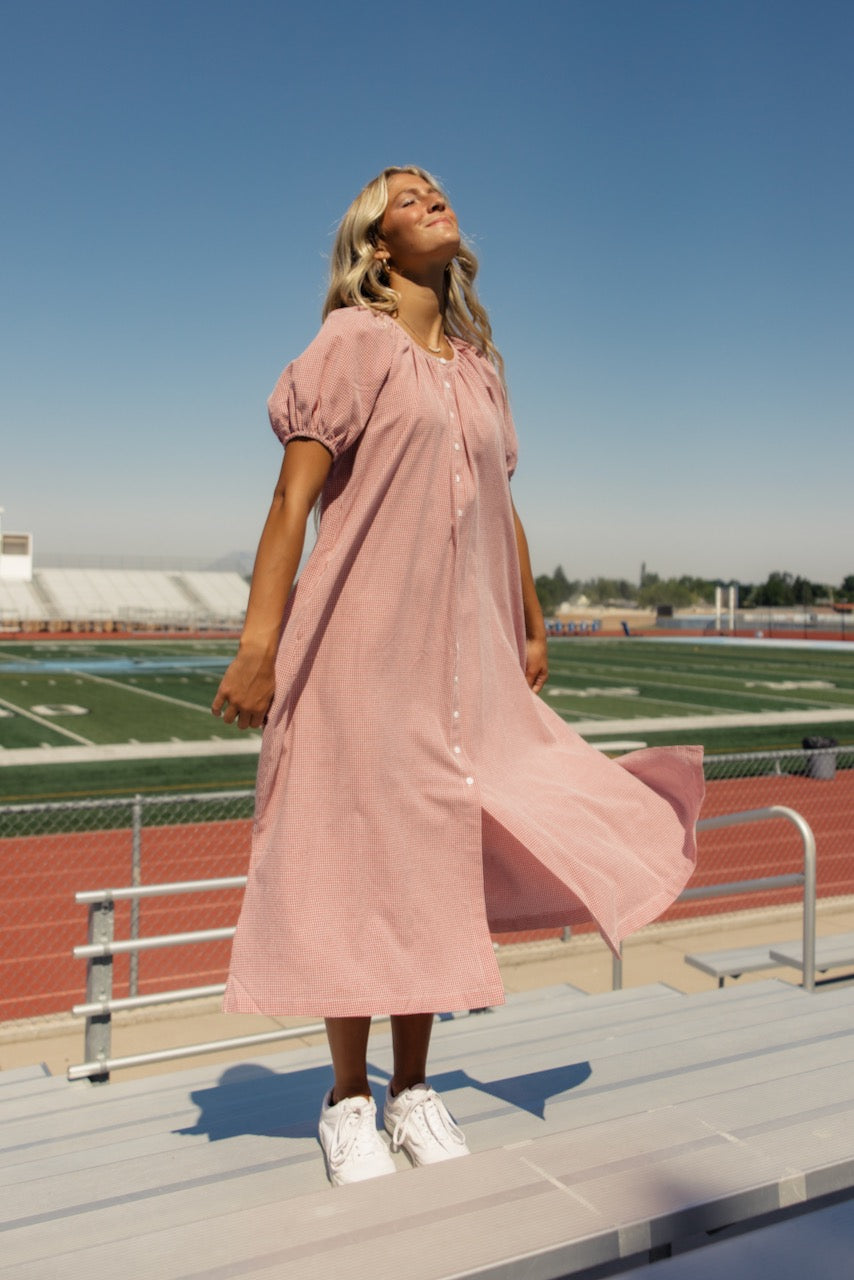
(41, 922)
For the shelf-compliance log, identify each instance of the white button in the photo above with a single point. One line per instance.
(442, 360)
(450, 413)
(457, 751)
(448, 385)
(459, 511)
(470, 781)
(456, 679)
(456, 446)
(456, 715)
(457, 478)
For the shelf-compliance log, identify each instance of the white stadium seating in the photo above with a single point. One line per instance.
(143, 597)
(20, 602)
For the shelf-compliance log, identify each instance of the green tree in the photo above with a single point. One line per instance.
(776, 591)
(554, 589)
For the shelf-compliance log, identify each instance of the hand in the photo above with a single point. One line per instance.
(536, 663)
(246, 691)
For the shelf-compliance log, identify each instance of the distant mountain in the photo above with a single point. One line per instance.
(235, 562)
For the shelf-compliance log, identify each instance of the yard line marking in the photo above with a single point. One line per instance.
(766, 695)
(632, 669)
(146, 693)
(645, 699)
(47, 724)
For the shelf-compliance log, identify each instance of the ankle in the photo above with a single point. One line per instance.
(340, 1092)
(398, 1084)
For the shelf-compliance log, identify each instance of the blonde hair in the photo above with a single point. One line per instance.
(358, 279)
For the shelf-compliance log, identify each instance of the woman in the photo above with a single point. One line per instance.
(412, 791)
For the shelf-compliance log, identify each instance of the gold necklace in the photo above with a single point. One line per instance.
(436, 350)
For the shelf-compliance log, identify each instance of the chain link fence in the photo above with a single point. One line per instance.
(48, 852)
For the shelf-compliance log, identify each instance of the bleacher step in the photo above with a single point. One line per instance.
(17, 1075)
(819, 1244)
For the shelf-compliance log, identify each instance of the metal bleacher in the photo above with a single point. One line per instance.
(107, 593)
(161, 597)
(607, 1131)
(20, 602)
(223, 594)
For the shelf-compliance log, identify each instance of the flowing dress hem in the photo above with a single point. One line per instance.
(238, 1000)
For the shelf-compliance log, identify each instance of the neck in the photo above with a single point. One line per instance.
(420, 306)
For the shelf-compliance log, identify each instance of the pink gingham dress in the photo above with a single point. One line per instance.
(413, 793)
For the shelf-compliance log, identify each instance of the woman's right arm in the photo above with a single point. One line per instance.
(246, 689)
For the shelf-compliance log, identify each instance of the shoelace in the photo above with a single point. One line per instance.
(348, 1131)
(420, 1110)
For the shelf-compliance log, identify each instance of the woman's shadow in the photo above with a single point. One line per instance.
(252, 1099)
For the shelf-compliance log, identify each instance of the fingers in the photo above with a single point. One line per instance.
(536, 679)
(232, 713)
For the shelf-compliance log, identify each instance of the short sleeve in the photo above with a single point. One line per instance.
(329, 392)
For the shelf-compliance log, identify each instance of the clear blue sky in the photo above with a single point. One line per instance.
(661, 193)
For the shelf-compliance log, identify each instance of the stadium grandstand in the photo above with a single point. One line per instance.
(108, 599)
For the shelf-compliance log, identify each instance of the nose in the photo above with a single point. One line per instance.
(437, 204)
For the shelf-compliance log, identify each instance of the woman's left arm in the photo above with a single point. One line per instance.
(537, 659)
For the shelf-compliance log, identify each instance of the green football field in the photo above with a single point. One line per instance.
(95, 694)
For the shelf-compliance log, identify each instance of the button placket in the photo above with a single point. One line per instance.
(458, 489)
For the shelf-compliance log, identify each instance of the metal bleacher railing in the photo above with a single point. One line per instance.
(50, 850)
(102, 948)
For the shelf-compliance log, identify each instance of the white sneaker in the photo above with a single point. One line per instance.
(419, 1124)
(351, 1142)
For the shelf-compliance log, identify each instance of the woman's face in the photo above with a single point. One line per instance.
(419, 228)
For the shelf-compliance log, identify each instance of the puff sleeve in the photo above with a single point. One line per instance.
(329, 392)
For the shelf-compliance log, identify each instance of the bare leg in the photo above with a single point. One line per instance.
(410, 1037)
(348, 1044)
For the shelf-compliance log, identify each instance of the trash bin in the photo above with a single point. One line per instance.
(821, 761)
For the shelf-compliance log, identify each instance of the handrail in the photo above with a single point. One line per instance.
(134, 892)
(101, 947)
(805, 878)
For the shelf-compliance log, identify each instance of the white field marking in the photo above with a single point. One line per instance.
(714, 690)
(59, 709)
(638, 670)
(711, 682)
(146, 693)
(46, 724)
(618, 691)
(94, 753)
(699, 708)
(734, 720)
(789, 684)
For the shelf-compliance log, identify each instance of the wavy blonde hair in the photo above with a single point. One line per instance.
(357, 279)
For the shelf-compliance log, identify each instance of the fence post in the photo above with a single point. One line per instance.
(99, 986)
(136, 880)
(617, 969)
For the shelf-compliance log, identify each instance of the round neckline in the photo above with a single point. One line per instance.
(446, 361)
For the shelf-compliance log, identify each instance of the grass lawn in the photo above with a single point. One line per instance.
(98, 692)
